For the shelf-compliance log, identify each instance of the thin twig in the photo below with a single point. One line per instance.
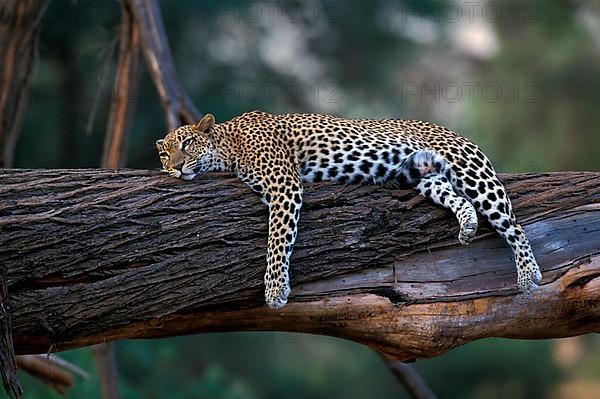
(68, 366)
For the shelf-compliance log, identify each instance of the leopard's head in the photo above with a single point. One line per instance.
(188, 150)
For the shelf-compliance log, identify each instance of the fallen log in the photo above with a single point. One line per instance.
(97, 255)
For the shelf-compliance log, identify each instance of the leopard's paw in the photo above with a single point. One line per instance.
(529, 278)
(277, 296)
(467, 232)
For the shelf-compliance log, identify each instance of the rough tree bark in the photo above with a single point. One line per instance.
(97, 255)
(8, 364)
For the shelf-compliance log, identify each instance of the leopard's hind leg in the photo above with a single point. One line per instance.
(429, 173)
(462, 189)
(484, 190)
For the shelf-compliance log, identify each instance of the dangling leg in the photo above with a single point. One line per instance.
(438, 188)
(283, 194)
(280, 188)
(284, 213)
(428, 172)
(476, 182)
(495, 205)
(475, 179)
(528, 271)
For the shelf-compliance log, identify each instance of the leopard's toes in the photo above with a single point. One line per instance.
(528, 286)
(276, 297)
(529, 280)
(467, 232)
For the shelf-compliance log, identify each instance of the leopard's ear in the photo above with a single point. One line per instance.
(206, 123)
(159, 144)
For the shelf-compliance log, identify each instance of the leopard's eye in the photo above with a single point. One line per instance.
(186, 143)
(164, 154)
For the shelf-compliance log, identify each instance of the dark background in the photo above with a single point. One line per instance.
(520, 78)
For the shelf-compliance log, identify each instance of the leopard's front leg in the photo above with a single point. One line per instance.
(285, 201)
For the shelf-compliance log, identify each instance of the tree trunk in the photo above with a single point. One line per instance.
(97, 255)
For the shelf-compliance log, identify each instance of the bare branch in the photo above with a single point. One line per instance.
(159, 61)
(107, 367)
(51, 370)
(19, 35)
(67, 366)
(125, 88)
(410, 379)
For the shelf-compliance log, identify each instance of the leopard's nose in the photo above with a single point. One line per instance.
(177, 166)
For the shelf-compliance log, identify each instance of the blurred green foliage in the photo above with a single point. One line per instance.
(533, 70)
(297, 366)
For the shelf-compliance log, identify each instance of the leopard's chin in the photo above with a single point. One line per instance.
(178, 174)
(172, 172)
(188, 176)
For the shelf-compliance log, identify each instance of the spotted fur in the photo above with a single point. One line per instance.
(274, 154)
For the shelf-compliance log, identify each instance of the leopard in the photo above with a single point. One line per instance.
(274, 154)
